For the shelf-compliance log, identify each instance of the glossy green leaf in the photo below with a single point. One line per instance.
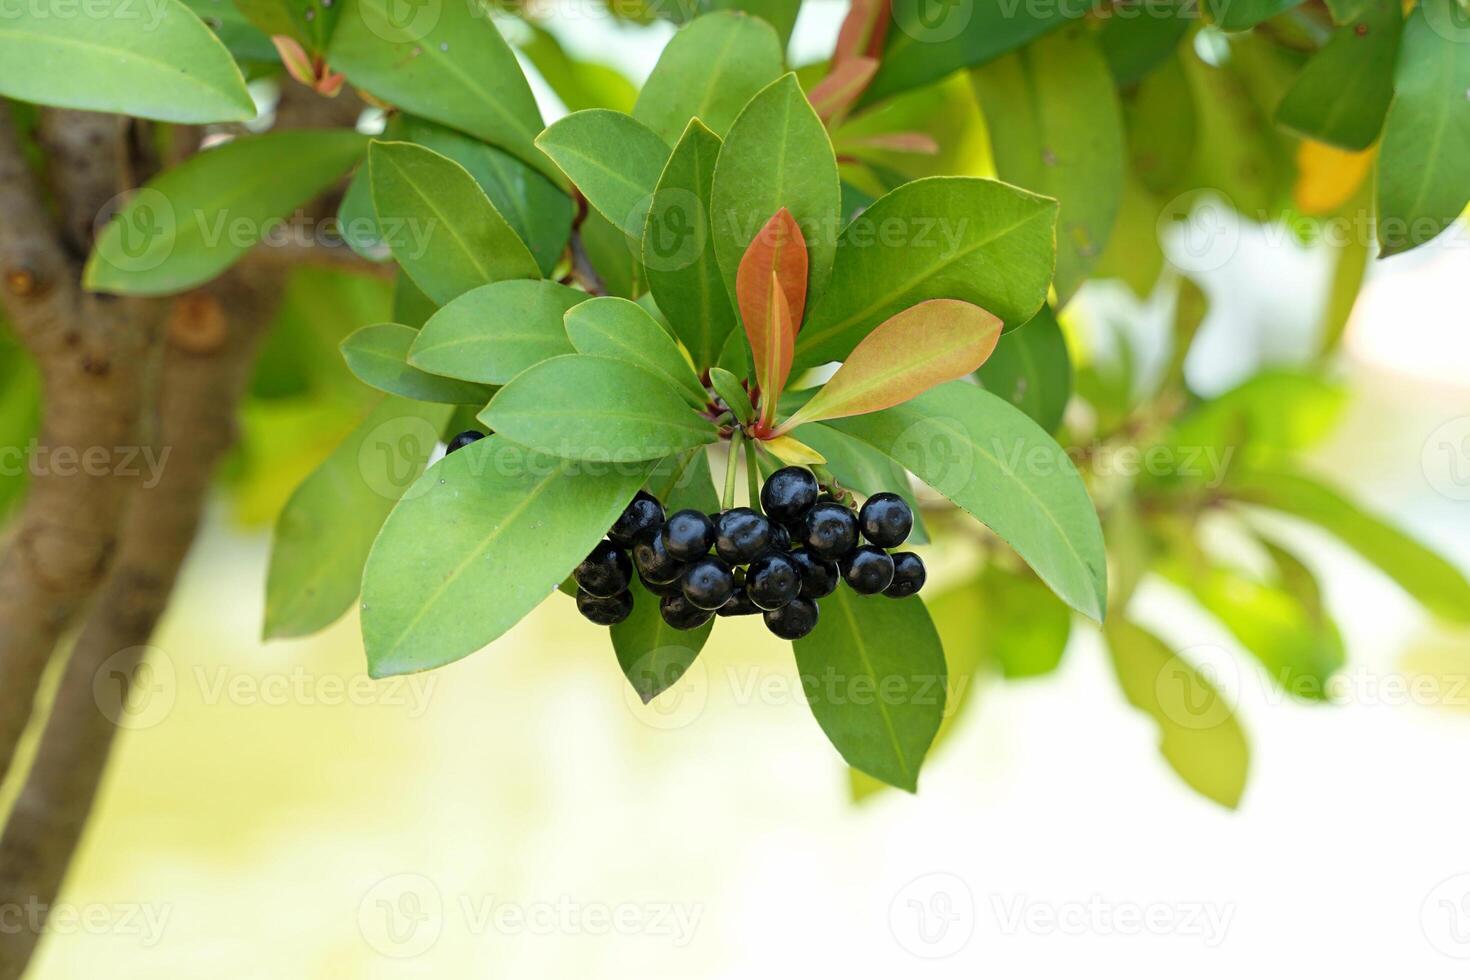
(734, 395)
(192, 222)
(1423, 182)
(411, 306)
(777, 154)
(1031, 370)
(981, 241)
(1342, 94)
(1241, 15)
(677, 251)
(596, 408)
(493, 333)
(491, 529)
(1056, 129)
(614, 160)
(323, 534)
(378, 355)
(652, 654)
(157, 61)
(874, 675)
(308, 21)
(443, 61)
(243, 39)
(442, 228)
(780, 14)
(609, 326)
(708, 71)
(990, 459)
(1199, 735)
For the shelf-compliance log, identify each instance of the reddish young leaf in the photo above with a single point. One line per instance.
(863, 31)
(836, 93)
(771, 292)
(927, 344)
(893, 142)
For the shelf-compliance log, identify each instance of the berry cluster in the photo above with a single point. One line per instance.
(777, 564)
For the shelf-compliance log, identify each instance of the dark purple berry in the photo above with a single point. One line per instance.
(464, 439)
(772, 580)
(794, 620)
(741, 535)
(605, 610)
(682, 614)
(605, 572)
(643, 513)
(818, 578)
(831, 531)
(739, 605)
(653, 560)
(868, 570)
(886, 520)
(908, 575)
(789, 494)
(689, 534)
(708, 583)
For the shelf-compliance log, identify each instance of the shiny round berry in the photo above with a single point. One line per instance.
(789, 494)
(772, 580)
(643, 513)
(682, 614)
(831, 531)
(689, 534)
(886, 520)
(464, 439)
(739, 605)
(662, 588)
(605, 572)
(605, 610)
(741, 535)
(708, 583)
(908, 575)
(794, 620)
(818, 578)
(868, 570)
(653, 560)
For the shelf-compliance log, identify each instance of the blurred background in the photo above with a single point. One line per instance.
(272, 813)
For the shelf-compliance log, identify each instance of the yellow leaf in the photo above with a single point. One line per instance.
(1327, 176)
(794, 453)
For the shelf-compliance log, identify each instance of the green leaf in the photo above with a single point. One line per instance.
(776, 155)
(358, 221)
(243, 39)
(442, 228)
(993, 461)
(618, 328)
(156, 61)
(579, 84)
(1031, 370)
(858, 466)
(1342, 94)
(411, 306)
(962, 238)
(493, 333)
(1056, 129)
(736, 398)
(652, 654)
(307, 21)
(323, 534)
(1242, 15)
(1162, 124)
(614, 160)
(1423, 183)
(476, 544)
(189, 224)
(709, 70)
(1136, 45)
(1421, 572)
(1199, 735)
(378, 355)
(780, 14)
(873, 673)
(613, 257)
(596, 408)
(1026, 627)
(443, 61)
(682, 271)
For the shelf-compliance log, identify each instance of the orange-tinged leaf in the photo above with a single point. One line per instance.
(793, 452)
(1328, 176)
(294, 57)
(771, 289)
(926, 345)
(863, 31)
(836, 93)
(894, 142)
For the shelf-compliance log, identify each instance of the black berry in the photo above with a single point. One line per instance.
(464, 439)
(662, 588)
(818, 578)
(741, 535)
(792, 621)
(908, 575)
(886, 520)
(708, 583)
(682, 614)
(643, 513)
(789, 494)
(689, 534)
(653, 560)
(831, 531)
(739, 605)
(605, 572)
(868, 570)
(772, 580)
(780, 537)
(605, 610)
